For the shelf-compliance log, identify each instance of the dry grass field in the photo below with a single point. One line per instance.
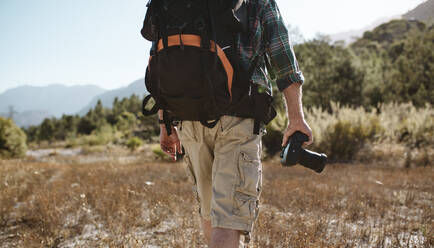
(122, 200)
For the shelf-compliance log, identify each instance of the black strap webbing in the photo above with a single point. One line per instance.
(210, 5)
(254, 87)
(167, 122)
(162, 23)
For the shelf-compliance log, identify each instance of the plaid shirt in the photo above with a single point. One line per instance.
(268, 34)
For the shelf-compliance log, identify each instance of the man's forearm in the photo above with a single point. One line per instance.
(294, 106)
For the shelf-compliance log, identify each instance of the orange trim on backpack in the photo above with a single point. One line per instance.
(194, 40)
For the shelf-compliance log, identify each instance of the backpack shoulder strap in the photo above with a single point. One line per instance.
(149, 31)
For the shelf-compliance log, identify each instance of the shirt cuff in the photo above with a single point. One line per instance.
(285, 82)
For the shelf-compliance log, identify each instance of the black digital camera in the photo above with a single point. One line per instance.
(293, 154)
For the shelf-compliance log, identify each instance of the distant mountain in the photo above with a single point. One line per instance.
(387, 33)
(424, 12)
(52, 100)
(352, 35)
(107, 98)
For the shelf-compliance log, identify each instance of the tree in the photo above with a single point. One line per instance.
(126, 122)
(398, 59)
(99, 110)
(12, 139)
(331, 74)
(134, 104)
(412, 74)
(32, 133)
(85, 126)
(46, 130)
(71, 123)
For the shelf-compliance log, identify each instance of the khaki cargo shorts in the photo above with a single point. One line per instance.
(225, 167)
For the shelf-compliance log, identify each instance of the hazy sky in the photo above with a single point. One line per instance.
(98, 41)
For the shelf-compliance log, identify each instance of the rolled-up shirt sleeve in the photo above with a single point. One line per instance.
(279, 49)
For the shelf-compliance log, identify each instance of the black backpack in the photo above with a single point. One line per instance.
(194, 72)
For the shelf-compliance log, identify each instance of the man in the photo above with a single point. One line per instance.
(224, 161)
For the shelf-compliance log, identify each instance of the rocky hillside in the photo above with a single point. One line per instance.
(424, 12)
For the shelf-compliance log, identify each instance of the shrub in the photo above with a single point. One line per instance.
(407, 124)
(344, 139)
(134, 143)
(126, 123)
(342, 132)
(101, 136)
(12, 140)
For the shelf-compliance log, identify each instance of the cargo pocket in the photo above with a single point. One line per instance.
(250, 175)
(249, 187)
(246, 206)
(192, 178)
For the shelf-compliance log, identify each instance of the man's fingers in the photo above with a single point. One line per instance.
(309, 142)
(286, 136)
(170, 144)
(285, 140)
(168, 150)
(178, 147)
(291, 131)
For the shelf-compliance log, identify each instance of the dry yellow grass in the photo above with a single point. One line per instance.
(64, 203)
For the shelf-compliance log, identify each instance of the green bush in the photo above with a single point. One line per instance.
(404, 123)
(344, 139)
(12, 140)
(342, 132)
(126, 122)
(134, 143)
(101, 136)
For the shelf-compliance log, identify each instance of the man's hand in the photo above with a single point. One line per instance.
(294, 107)
(295, 126)
(169, 144)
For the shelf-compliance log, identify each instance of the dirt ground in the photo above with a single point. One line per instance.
(121, 200)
